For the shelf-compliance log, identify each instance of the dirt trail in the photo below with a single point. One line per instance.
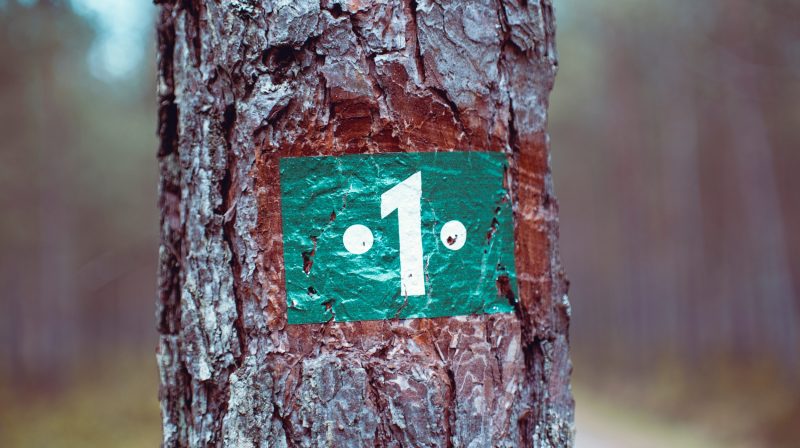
(604, 424)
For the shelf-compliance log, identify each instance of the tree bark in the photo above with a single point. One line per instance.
(245, 82)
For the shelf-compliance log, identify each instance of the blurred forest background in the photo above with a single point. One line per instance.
(675, 130)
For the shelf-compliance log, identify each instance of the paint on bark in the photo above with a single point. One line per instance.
(327, 280)
(244, 83)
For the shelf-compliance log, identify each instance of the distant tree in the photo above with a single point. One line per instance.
(75, 260)
(242, 84)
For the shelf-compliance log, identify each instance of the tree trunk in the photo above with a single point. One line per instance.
(243, 84)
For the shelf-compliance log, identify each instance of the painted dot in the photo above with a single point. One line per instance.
(357, 239)
(453, 235)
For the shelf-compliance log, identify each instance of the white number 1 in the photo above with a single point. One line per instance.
(405, 198)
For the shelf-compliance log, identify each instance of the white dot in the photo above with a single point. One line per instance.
(357, 239)
(453, 235)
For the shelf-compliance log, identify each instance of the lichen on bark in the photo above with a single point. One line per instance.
(244, 82)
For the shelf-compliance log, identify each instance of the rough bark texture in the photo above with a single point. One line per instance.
(244, 82)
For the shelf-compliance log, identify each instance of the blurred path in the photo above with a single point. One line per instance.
(602, 423)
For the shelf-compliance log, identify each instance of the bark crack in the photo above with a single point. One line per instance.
(412, 31)
(451, 410)
(372, 75)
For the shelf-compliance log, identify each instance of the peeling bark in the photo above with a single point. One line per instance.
(244, 82)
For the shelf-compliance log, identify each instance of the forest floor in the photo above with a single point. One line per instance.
(721, 406)
(113, 405)
(604, 423)
(116, 406)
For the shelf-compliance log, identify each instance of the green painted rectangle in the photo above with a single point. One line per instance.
(343, 260)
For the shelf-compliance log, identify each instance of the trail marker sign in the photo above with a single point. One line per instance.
(396, 235)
